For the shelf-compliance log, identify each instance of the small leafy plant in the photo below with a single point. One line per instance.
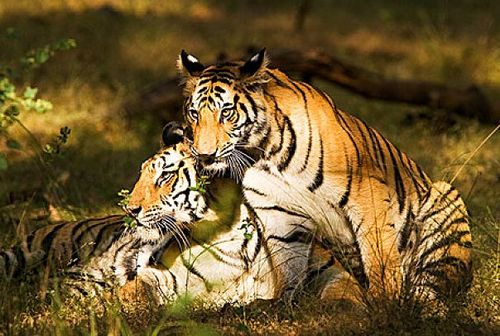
(201, 185)
(14, 101)
(124, 195)
(128, 221)
(246, 225)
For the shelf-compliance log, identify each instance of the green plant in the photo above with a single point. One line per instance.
(201, 185)
(15, 101)
(128, 221)
(246, 226)
(124, 194)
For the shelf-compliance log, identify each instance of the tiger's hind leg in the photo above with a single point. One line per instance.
(328, 279)
(342, 287)
(441, 266)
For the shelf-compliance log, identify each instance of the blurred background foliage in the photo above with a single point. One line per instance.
(124, 47)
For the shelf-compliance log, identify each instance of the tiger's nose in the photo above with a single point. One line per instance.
(206, 159)
(134, 211)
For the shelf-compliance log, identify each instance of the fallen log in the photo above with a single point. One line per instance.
(468, 102)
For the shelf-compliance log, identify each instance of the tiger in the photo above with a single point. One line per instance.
(303, 162)
(108, 251)
(186, 241)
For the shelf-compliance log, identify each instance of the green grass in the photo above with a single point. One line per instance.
(126, 46)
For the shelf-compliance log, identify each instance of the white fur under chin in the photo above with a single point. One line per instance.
(216, 169)
(150, 235)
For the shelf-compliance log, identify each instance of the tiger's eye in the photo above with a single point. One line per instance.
(193, 114)
(227, 113)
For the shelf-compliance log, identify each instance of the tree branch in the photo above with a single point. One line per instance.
(469, 102)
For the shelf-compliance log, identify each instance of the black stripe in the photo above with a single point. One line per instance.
(444, 261)
(318, 178)
(375, 145)
(281, 126)
(309, 127)
(192, 269)
(278, 81)
(258, 243)
(447, 241)
(256, 191)
(364, 140)
(345, 197)
(292, 146)
(349, 256)
(49, 238)
(74, 236)
(254, 106)
(103, 235)
(89, 230)
(449, 203)
(174, 280)
(295, 237)
(280, 209)
(406, 231)
(343, 124)
(264, 142)
(398, 181)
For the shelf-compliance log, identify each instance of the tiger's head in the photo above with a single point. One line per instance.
(224, 111)
(166, 198)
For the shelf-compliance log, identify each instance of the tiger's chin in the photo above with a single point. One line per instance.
(159, 230)
(232, 167)
(152, 235)
(216, 169)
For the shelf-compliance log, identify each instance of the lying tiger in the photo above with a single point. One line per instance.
(204, 244)
(106, 252)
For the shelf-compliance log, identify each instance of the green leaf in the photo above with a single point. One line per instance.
(65, 44)
(14, 144)
(42, 56)
(3, 162)
(129, 222)
(125, 197)
(30, 93)
(49, 149)
(40, 106)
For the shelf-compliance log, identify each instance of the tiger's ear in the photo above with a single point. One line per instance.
(189, 65)
(255, 65)
(172, 134)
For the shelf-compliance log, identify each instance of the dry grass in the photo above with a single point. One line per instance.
(125, 46)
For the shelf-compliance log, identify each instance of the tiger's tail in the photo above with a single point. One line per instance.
(18, 260)
(442, 266)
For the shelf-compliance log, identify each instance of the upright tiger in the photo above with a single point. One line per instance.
(305, 163)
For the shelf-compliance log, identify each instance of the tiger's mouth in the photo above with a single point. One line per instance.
(232, 164)
(160, 229)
